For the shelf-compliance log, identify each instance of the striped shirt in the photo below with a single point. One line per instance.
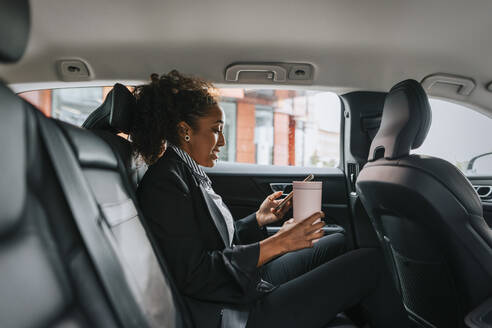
(204, 180)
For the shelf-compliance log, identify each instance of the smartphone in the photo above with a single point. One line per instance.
(291, 194)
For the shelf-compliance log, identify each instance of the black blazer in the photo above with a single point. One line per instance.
(192, 235)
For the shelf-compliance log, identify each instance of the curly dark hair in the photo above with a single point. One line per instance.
(163, 103)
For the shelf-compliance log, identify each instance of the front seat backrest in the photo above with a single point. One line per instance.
(47, 274)
(427, 215)
(46, 277)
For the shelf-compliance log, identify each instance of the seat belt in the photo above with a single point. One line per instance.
(185, 313)
(90, 222)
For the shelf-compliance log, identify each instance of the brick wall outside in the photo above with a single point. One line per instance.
(283, 125)
(39, 98)
(105, 92)
(292, 141)
(245, 133)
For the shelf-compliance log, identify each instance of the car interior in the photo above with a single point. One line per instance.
(75, 249)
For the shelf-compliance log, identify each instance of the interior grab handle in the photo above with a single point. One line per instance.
(466, 85)
(278, 73)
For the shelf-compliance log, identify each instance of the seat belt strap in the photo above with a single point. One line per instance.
(185, 313)
(90, 222)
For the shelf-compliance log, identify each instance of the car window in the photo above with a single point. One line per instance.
(461, 136)
(281, 127)
(72, 105)
(263, 126)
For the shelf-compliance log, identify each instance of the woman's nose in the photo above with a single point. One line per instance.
(221, 142)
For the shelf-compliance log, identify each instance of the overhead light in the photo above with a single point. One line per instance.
(71, 70)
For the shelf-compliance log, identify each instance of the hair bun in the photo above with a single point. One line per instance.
(161, 104)
(154, 77)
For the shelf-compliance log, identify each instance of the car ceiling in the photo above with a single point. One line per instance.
(353, 45)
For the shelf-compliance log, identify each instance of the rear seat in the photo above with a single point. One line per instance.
(47, 277)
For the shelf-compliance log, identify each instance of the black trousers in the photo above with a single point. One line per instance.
(317, 283)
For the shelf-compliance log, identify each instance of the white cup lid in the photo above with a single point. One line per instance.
(309, 185)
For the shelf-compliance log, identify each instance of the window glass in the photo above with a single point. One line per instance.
(263, 126)
(460, 136)
(75, 104)
(282, 127)
(264, 134)
(72, 105)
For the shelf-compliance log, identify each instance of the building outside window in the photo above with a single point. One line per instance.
(75, 104)
(263, 126)
(297, 127)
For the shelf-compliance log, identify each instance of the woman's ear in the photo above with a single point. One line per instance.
(184, 129)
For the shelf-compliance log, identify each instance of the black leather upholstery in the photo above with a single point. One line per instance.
(341, 321)
(445, 173)
(115, 114)
(14, 29)
(427, 215)
(46, 277)
(12, 160)
(91, 151)
(112, 190)
(405, 123)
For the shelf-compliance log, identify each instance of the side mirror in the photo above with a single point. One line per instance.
(480, 164)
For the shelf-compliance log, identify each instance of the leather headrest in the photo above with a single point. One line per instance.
(13, 161)
(406, 121)
(90, 150)
(14, 29)
(115, 114)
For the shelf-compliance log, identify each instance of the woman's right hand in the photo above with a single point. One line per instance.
(297, 235)
(292, 236)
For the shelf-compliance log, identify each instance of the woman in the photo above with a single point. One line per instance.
(231, 271)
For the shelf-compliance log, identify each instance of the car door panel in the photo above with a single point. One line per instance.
(244, 189)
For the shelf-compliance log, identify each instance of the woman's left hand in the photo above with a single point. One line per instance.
(267, 214)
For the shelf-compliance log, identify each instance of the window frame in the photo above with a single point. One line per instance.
(466, 108)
